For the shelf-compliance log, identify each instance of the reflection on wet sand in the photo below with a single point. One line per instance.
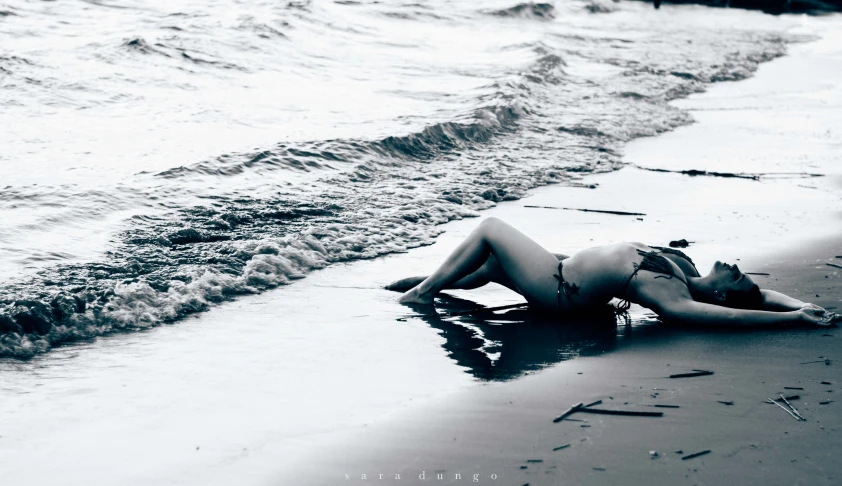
(500, 346)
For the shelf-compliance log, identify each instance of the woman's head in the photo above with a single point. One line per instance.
(726, 285)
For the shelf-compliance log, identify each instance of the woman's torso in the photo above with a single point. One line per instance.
(603, 272)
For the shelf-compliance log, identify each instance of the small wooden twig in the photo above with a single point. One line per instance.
(691, 375)
(664, 406)
(833, 265)
(598, 402)
(631, 413)
(695, 454)
(756, 273)
(755, 176)
(793, 408)
(570, 411)
(565, 446)
(783, 408)
(617, 213)
(793, 388)
(729, 402)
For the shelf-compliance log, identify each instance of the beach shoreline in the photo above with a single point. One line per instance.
(373, 388)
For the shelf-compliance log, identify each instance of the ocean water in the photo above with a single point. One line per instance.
(160, 158)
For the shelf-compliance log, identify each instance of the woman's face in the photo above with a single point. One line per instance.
(727, 277)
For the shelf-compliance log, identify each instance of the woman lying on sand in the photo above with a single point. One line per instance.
(662, 279)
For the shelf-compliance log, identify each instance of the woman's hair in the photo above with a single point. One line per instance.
(744, 299)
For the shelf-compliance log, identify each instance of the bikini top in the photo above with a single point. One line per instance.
(652, 261)
(673, 251)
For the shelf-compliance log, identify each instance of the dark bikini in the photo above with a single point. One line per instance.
(652, 261)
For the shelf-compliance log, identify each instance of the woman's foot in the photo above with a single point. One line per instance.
(404, 284)
(413, 296)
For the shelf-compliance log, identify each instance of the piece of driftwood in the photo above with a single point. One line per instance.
(826, 383)
(693, 374)
(486, 309)
(833, 265)
(755, 176)
(664, 406)
(783, 408)
(598, 402)
(630, 413)
(696, 172)
(616, 213)
(568, 412)
(814, 361)
(793, 388)
(695, 454)
(825, 402)
(725, 402)
(757, 273)
(794, 410)
(565, 446)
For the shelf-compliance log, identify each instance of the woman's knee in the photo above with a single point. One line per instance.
(491, 224)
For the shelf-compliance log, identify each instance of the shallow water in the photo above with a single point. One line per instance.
(161, 159)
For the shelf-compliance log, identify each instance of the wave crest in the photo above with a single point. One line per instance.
(536, 11)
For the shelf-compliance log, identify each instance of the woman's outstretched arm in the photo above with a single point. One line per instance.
(776, 301)
(699, 313)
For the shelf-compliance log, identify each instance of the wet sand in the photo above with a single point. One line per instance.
(330, 376)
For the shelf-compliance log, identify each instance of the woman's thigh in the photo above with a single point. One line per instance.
(526, 264)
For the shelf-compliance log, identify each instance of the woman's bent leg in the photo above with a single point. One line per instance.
(524, 265)
(488, 272)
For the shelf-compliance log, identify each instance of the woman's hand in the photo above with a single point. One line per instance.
(817, 316)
